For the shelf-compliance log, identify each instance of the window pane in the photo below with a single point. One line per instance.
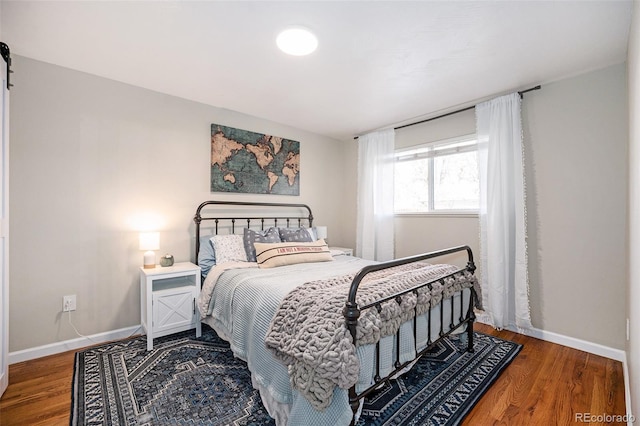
(456, 185)
(438, 176)
(411, 186)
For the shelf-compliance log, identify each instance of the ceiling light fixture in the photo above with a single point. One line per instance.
(297, 41)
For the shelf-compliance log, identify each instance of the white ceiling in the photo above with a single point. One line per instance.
(378, 63)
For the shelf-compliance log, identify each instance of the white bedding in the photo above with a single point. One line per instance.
(239, 301)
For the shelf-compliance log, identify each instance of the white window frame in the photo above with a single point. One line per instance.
(430, 151)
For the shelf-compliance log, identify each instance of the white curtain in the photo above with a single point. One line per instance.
(375, 196)
(505, 282)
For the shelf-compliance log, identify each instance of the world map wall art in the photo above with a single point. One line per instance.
(248, 162)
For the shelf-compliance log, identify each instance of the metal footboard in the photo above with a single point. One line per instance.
(352, 312)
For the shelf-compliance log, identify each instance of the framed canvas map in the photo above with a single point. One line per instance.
(248, 162)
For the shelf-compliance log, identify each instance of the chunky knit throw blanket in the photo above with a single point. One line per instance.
(309, 334)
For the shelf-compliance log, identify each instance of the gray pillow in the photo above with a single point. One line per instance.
(296, 235)
(271, 235)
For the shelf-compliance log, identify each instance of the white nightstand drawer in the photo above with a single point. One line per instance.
(173, 310)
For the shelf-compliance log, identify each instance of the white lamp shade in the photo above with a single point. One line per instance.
(321, 232)
(149, 241)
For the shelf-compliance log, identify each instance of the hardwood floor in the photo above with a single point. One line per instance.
(547, 384)
(39, 392)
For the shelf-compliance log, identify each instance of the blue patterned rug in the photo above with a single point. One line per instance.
(197, 381)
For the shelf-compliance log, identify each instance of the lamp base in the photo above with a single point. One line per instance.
(149, 260)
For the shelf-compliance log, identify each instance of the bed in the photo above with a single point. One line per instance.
(292, 309)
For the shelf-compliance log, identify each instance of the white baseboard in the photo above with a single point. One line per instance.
(581, 345)
(73, 344)
(571, 342)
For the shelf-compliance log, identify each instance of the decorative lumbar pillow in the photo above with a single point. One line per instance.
(229, 248)
(271, 235)
(298, 235)
(272, 255)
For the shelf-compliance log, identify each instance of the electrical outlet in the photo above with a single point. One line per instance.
(69, 303)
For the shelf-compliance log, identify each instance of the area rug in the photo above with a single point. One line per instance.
(443, 386)
(197, 381)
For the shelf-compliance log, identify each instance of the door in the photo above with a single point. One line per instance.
(4, 220)
(173, 310)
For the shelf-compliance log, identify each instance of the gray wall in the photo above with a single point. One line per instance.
(575, 134)
(89, 155)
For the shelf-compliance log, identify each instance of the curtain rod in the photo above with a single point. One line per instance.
(522, 92)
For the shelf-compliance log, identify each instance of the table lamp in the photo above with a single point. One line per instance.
(321, 233)
(149, 241)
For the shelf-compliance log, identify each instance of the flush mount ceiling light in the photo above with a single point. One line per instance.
(297, 41)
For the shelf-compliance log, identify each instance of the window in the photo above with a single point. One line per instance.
(440, 177)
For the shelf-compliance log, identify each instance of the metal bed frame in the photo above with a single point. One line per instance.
(352, 311)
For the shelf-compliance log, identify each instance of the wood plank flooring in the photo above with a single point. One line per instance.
(39, 392)
(547, 384)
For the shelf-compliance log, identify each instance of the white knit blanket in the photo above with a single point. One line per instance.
(309, 334)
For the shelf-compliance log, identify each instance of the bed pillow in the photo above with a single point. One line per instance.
(206, 255)
(297, 235)
(229, 248)
(271, 235)
(272, 255)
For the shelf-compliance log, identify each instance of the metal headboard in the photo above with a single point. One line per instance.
(201, 216)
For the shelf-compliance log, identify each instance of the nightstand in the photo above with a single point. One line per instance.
(168, 300)
(344, 250)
